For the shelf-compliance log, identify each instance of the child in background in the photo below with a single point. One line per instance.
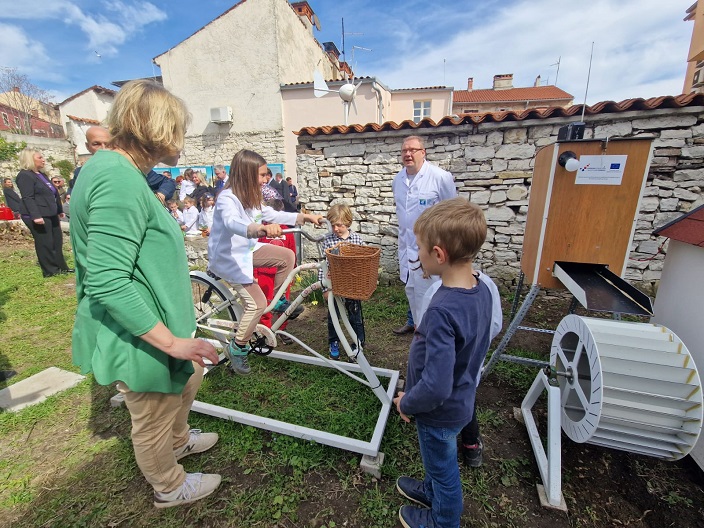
(207, 210)
(445, 359)
(172, 206)
(190, 217)
(340, 216)
(233, 250)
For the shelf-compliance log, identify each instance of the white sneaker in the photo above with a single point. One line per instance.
(196, 486)
(197, 443)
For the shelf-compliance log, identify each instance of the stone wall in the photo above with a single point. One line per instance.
(492, 164)
(56, 149)
(214, 149)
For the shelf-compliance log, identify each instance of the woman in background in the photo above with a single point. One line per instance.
(41, 210)
(134, 323)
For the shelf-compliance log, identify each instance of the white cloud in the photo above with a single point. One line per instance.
(104, 33)
(640, 47)
(20, 49)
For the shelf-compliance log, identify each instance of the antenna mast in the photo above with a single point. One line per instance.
(589, 73)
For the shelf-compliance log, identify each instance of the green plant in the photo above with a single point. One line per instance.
(10, 149)
(65, 168)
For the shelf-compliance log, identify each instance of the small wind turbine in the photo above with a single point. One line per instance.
(346, 92)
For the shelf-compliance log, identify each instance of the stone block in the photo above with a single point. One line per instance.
(498, 165)
(517, 193)
(619, 129)
(669, 143)
(478, 153)
(515, 135)
(515, 151)
(481, 197)
(495, 138)
(352, 149)
(693, 152)
(672, 121)
(649, 204)
(684, 194)
(500, 214)
(669, 204)
(689, 174)
(497, 197)
(676, 134)
(372, 465)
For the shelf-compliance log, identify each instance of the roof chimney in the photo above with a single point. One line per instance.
(503, 81)
(306, 14)
(537, 81)
(470, 84)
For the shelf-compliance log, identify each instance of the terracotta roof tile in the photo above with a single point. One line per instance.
(532, 93)
(604, 107)
(84, 120)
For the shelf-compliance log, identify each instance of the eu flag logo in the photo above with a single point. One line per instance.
(615, 166)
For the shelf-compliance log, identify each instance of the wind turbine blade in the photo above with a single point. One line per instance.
(347, 113)
(320, 88)
(354, 105)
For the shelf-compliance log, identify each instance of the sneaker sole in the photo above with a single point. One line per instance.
(170, 504)
(404, 494)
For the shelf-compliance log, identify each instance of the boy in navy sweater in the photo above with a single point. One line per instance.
(446, 354)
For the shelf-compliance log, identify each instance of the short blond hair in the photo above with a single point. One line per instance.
(340, 213)
(26, 158)
(457, 226)
(147, 120)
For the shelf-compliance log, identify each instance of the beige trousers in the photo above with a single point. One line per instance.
(251, 295)
(159, 426)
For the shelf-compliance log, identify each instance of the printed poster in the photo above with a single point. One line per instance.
(601, 170)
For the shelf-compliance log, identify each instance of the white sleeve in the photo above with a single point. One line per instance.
(497, 315)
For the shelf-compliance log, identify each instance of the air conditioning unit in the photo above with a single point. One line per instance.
(698, 78)
(221, 114)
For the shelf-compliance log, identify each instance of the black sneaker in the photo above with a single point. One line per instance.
(413, 490)
(472, 455)
(413, 517)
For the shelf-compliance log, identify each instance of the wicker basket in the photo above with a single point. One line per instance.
(354, 270)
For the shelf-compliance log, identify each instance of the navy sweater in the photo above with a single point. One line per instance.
(447, 352)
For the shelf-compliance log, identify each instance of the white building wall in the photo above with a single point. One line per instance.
(302, 109)
(678, 307)
(229, 62)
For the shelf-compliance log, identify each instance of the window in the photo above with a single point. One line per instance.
(470, 111)
(5, 120)
(17, 122)
(421, 109)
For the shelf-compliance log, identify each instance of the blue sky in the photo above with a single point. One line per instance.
(640, 50)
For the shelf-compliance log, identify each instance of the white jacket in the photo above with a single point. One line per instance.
(430, 186)
(229, 249)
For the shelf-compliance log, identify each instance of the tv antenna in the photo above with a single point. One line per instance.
(589, 74)
(558, 69)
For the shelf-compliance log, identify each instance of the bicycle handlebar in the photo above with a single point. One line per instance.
(309, 236)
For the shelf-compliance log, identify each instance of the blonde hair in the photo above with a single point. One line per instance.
(457, 226)
(244, 178)
(147, 120)
(189, 200)
(26, 158)
(340, 213)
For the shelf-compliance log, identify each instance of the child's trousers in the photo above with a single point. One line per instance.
(354, 314)
(442, 485)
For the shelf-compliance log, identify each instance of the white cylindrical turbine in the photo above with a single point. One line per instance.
(629, 386)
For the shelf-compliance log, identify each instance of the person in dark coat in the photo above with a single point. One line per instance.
(41, 210)
(12, 199)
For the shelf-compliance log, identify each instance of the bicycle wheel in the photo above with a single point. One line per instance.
(213, 307)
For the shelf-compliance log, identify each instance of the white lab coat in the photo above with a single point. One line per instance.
(229, 249)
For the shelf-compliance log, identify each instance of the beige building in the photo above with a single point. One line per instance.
(694, 78)
(504, 97)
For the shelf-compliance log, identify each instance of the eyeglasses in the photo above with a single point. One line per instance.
(411, 150)
(56, 181)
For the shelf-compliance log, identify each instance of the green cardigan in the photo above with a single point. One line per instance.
(131, 272)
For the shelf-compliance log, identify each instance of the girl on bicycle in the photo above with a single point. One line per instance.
(234, 252)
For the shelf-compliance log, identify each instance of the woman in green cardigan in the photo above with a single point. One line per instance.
(135, 321)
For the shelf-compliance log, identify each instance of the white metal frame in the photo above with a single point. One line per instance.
(550, 463)
(361, 365)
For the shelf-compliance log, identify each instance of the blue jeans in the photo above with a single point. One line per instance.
(354, 314)
(442, 486)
